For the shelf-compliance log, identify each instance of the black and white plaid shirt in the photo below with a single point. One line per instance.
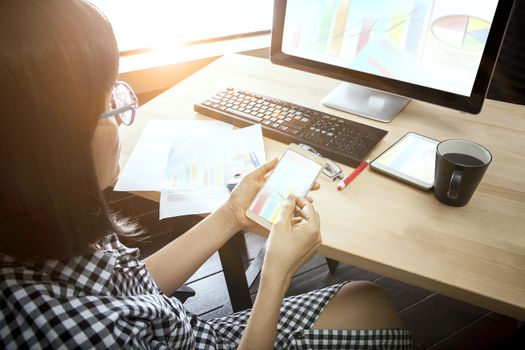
(105, 300)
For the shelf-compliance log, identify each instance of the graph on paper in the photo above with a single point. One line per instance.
(197, 165)
(433, 43)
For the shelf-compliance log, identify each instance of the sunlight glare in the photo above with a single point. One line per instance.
(168, 24)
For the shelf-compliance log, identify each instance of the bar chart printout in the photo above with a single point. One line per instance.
(197, 162)
(198, 169)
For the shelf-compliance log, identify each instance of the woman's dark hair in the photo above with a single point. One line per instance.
(58, 61)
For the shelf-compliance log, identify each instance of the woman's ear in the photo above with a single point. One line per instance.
(105, 147)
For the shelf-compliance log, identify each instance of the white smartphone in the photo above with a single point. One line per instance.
(295, 174)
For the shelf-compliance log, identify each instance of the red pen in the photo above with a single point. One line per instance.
(344, 182)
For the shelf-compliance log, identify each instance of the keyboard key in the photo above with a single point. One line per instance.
(242, 114)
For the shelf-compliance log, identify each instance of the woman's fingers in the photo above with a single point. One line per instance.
(264, 169)
(296, 220)
(307, 208)
(301, 202)
(287, 210)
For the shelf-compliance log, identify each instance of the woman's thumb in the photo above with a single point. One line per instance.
(286, 213)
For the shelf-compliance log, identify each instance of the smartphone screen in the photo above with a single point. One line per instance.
(294, 174)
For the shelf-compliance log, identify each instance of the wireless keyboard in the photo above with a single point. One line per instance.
(333, 137)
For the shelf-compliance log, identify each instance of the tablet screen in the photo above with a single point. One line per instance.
(412, 159)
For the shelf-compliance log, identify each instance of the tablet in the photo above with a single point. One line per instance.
(411, 159)
(295, 174)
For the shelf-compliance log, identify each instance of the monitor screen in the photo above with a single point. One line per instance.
(439, 51)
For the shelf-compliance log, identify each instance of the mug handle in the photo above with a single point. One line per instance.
(454, 185)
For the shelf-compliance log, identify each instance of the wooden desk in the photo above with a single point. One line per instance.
(475, 253)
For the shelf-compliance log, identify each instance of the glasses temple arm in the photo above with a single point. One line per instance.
(116, 111)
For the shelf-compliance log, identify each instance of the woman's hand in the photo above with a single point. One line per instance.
(246, 190)
(290, 243)
(292, 239)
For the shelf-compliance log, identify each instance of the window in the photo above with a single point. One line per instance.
(159, 24)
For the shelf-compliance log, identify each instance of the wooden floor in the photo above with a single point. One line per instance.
(437, 322)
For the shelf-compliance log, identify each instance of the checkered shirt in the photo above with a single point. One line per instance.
(294, 328)
(107, 300)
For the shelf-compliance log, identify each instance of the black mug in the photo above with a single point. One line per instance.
(460, 165)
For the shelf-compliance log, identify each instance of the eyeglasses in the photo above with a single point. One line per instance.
(123, 103)
(331, 169)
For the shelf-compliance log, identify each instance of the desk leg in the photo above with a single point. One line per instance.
(254, 270)
(332, 264)
(232, 266)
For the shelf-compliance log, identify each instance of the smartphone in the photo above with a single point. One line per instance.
(295, 174)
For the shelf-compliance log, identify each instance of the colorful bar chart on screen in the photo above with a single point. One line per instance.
(416, 41)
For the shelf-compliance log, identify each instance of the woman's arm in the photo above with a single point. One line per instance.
(289, 246)
(261, 329)
(172, 265)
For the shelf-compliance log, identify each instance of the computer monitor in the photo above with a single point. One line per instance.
(390, 51)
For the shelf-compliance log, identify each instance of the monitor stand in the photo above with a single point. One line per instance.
(366, 102)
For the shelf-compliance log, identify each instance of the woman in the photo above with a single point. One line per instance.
(65, 279)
